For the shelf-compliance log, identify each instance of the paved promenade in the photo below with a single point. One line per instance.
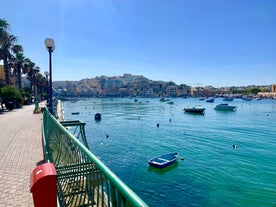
(20, 151)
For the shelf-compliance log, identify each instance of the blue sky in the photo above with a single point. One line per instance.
(206, 42)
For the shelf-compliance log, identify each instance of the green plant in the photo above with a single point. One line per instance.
(26, 96)
(11, 97)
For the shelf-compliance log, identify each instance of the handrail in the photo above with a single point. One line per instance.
(79, 127)
(76, 166)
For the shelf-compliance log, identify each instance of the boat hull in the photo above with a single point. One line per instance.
(225, 107)
(195, 110)
(210, 100)
(163, 160)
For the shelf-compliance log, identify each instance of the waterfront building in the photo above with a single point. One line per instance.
(271, 94)
(273, 90)
(171, 91)
(209, 91)
(197, 91)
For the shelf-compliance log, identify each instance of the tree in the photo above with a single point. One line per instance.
(40, 83)
(14, 60)
(253, 91)
(11, 97)
(26, 95)
(4, 26)
(7, 41)
(170, 83)
(29, 70)
(18, 61)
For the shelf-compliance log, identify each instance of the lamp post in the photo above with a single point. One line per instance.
(50, 46)
(46, 73)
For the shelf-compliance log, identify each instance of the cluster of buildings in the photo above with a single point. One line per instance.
(120, 86)
(137, 85)
(271, 94)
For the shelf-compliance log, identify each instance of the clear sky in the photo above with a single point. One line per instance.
(205, 42)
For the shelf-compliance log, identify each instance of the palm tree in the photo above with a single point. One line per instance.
(35, 78)
(28, 69)
(31, 73)
(18, 62)
(4, 26)
(40, 82)
(7, 41)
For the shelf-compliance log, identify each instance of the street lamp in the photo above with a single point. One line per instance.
(50, 46)
(46, 73)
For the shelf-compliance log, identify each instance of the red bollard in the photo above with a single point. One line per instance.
(44, 185)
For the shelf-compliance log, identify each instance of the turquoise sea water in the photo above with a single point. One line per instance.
(213, 173)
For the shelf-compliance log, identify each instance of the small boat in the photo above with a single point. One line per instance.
(163, 160)
(75, 113)
(163, 99)
(98, 116)
(170, 102)
(225, 107)
(210, 100)
(197, 110)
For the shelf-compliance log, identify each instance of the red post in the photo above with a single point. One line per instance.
(44, 185)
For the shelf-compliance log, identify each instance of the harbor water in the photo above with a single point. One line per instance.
(212, 171)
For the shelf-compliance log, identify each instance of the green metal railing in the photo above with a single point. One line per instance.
(78, 130)
(83, 180)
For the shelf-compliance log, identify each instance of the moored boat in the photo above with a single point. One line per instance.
(225, 107)
(163, 99)
(75, 113)
(163, 161)
(210, 100)
(98, 117)
(197, 110)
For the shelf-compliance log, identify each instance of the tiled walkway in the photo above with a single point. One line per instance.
(20, 152)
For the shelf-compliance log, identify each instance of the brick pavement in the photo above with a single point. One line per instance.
(20, 152)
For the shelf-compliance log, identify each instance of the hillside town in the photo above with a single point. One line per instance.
(129, 85)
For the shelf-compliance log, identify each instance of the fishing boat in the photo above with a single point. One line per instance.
(210, 100)
(75, 113)
(163, 99)
(225, 107)
(163, 160)
(196, 110)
